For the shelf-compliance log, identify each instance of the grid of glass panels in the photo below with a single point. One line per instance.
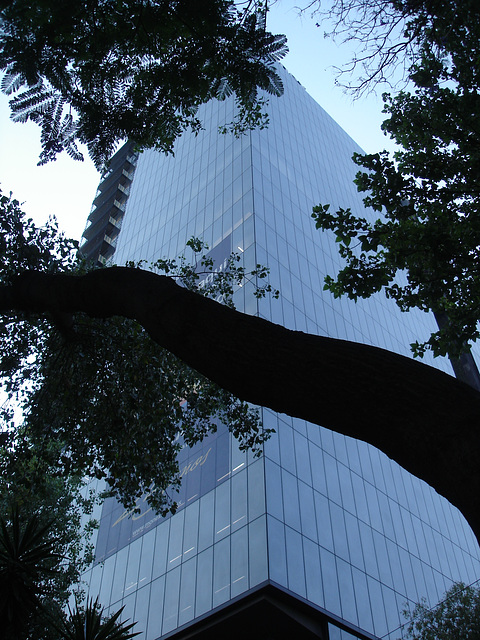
(324, 516)
(173, 569)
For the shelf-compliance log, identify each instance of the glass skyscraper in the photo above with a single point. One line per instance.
(323, 536)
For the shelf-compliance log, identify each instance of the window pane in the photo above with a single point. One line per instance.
(170, 611)
(204, 582)
(187, 592)
(239, 561)
(221, 572)
(155, 614)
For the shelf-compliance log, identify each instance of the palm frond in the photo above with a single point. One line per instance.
(27, 560)
(89, 624)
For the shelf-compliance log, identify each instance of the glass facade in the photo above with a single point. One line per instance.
(325, 518)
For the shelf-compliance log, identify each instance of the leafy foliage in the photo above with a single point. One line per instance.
(428, 191)
(45, 514)
(456, 617)
(57, 509)
(204, 276)
(100, 398)
(25, 246)
(107, 70)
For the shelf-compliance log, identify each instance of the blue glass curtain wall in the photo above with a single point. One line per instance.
(327, 518)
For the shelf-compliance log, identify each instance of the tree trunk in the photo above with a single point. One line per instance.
(420, 417)
(464, 366)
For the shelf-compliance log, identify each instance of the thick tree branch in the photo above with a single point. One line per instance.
(422, 418)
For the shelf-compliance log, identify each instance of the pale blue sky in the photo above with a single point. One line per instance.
(66, 188)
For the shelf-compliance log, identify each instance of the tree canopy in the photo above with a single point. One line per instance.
(99, 396)
(101, 399)
(45, 529)
(424, 249)
(420, 417)
(456, 617)
(432, 431)
(104, 71)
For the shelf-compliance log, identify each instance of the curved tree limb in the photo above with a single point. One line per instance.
(420, 417)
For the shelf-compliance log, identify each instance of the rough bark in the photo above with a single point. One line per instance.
(420, 417)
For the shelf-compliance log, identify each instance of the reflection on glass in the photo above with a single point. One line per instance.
(295, 563)
(239, 561)
(119, 575)
(171, 602)
(221, 571)
(257, 551)
(155, 612)
(381, 534)
(140, 615)
(187, 592)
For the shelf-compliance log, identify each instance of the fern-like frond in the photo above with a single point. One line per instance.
(72, 150)
(29, 104)
(259, 18)
(276, 49)
(120, 83)
(274, 84)
(69, 126)
(56, 119)
(11, 82)
(222, 89)
(68, 134)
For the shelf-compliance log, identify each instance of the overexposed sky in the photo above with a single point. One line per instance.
(66, 188)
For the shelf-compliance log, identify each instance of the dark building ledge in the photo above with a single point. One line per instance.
(268, 611)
